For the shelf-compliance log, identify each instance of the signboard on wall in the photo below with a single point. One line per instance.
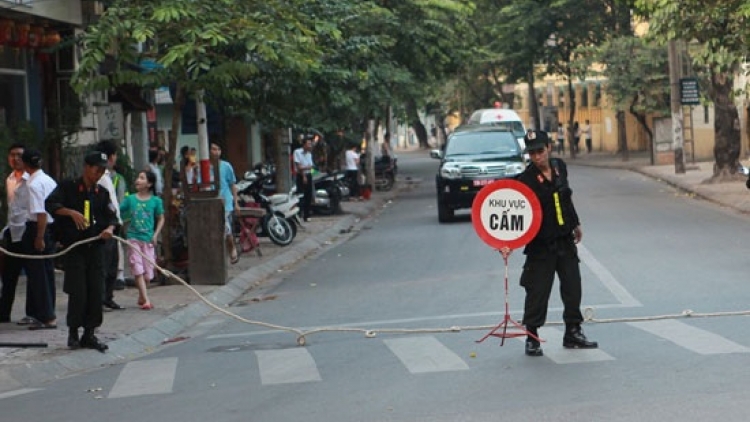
(110, 122)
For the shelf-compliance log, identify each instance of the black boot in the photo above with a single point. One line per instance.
(533, 347)
(90, 341)
(575, 339)
(73, 341)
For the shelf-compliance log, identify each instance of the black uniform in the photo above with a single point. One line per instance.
(84, 269)
(553, 249)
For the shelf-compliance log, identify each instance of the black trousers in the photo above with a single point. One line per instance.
(84, 281)
(40, 276)
(353, 177)
(539, 275)
(11, 272)
(589, 145)
(307, 194)
(111, 258)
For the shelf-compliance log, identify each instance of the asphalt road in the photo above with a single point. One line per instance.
(648, 252)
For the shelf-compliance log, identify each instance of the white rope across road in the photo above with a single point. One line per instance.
(588, 313)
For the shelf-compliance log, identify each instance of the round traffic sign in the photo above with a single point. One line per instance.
(506, 213)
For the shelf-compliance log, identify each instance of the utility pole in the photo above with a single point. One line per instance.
(678, 143)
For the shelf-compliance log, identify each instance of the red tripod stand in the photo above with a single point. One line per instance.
(507, 320)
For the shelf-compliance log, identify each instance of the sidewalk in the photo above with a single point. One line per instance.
(132, 332)
(732, 195)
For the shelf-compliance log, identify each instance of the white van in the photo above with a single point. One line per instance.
(502, 117)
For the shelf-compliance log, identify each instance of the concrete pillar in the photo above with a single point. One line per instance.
(207, 249)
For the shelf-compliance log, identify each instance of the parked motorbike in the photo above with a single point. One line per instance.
(385, 171)
(328, 191)
(279, 212)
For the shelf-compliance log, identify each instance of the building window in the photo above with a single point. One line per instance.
(597, 95)
(561, 98)
(584, 96)
(13, 87)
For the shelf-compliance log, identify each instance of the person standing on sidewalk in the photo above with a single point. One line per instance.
(112, 251)
(83, 210)
(587, 136)
(553, 250)
(303, 162)
(37, 240)
(352, 169)
(228, 191)
(18, 214)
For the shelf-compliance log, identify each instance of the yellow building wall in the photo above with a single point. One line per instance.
(604, 121)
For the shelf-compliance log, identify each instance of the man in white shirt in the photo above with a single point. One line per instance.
(153, 165)
(303, 162)
(352, 169)
(111, 251)
(18, 215)
(37, 240)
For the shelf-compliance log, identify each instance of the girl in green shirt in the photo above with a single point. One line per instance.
(144, 213)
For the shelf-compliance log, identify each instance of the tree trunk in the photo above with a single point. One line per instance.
(413, 118)
(571, 116)
(533, 104)
(622, 133)
(166, 239)
(726, 128)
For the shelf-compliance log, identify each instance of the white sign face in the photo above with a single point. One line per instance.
(110, 121)
(506, 214)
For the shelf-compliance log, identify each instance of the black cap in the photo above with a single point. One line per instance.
(96, 158)
(536, 139)
(32, 157)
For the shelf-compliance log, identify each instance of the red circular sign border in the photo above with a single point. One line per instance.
(536, 209)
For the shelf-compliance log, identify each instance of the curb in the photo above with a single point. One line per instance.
(146, 340)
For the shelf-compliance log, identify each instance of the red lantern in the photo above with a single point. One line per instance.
(51, 38)
(36, 37)
(6, 31)
(22, 35)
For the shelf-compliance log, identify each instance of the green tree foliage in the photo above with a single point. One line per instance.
(637, 76)
(718, 28)
(216, 46)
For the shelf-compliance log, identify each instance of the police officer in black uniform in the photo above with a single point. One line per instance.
(553, 249)
(83, 210)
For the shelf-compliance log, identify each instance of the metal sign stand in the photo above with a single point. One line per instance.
(508, 321)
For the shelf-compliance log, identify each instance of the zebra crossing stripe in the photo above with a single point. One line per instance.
(695, 339)
(14, 393)
(286, 366)
(160, 374)
(425, 354)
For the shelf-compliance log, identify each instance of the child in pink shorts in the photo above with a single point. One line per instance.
(144, 214)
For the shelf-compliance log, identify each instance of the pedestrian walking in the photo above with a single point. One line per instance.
(83, 210)
(553, 250)
(144, 213)
(37, 240)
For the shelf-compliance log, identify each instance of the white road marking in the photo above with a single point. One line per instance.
(425, 354)
(554, 350)
(607, 278)
(14, 393)
(695, 339)
(286, 366)
(155, 376)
